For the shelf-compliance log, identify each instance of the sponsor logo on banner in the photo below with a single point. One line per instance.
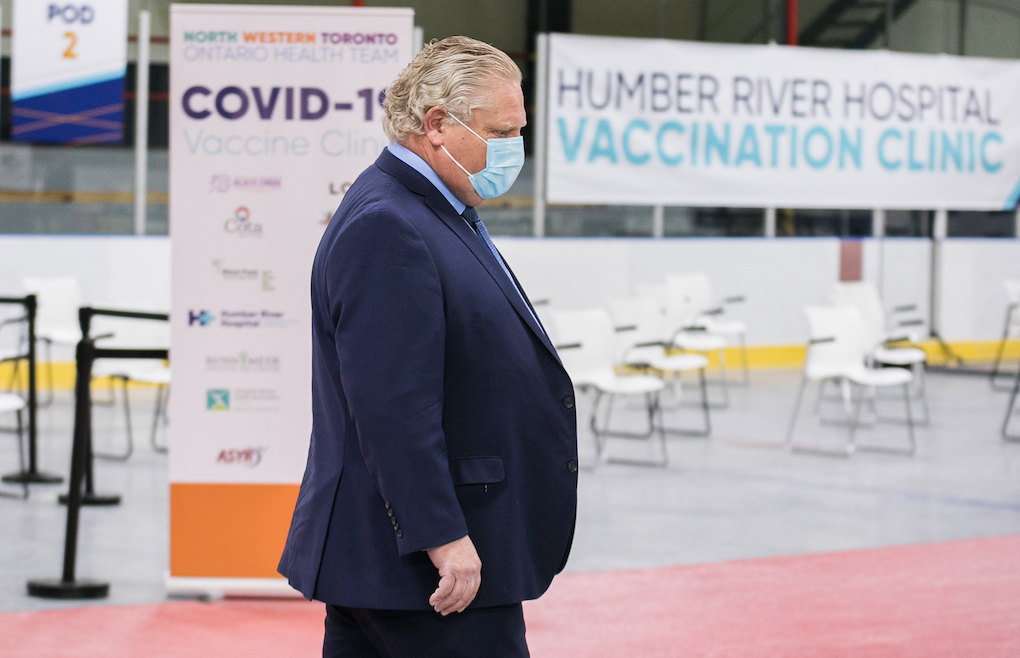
(203, 318)
(339, 189)
(264, 278)
(241, 224)
(217, 399)
(242, 362)
(250, 457)
(242, 319)
(223, 183)
(241, 400)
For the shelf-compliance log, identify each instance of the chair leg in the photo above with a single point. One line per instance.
(724, 382)
(602, 434)
(743, 361)
(162, 397)
(22, 464)
(997, 364)
(1006, 435)
(122, 456)
(912, 445)
(706, 428)
(795, 447)
(796, 412)
(49, 371)
(921, 376)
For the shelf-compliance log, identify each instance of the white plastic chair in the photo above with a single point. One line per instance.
(642, 344)
(56, 319)
(687, 333)
(586, 345)
(710, 313)
(881, 338)
(837, 350)
(1009, 331)
(12, 403)
(133, 333)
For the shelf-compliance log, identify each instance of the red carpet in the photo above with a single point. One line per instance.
(948, 599)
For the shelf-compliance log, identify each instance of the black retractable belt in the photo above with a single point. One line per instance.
(68, 587)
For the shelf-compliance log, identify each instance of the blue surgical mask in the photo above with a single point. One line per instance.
(504, 158)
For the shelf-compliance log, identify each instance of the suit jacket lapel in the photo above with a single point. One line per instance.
(442, 209)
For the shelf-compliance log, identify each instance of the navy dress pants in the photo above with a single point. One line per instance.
(475, 633)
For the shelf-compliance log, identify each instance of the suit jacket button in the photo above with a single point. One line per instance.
(568, 401)
(400, 533)
(572, 466)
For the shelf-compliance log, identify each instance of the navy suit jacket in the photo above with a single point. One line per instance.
(440, 409)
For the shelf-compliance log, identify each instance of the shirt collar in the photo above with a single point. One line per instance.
(413, 160)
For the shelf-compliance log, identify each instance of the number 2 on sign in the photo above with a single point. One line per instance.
(72, 40)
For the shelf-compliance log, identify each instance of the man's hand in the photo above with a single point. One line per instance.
(460, 574)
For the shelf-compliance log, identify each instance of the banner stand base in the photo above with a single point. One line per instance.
(218, 588)
(68, 589)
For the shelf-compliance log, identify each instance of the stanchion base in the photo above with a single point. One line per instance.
(32, 477)
(64, 589)
(93, 499)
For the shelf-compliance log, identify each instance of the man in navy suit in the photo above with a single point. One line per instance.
(440, 487)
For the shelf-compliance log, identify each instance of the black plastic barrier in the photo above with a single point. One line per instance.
(31, 474)
(68, 587)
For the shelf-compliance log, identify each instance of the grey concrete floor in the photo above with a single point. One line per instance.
(736, 495)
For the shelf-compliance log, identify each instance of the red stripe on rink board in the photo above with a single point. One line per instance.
(851, 258)
(228, 530)
(955, 599)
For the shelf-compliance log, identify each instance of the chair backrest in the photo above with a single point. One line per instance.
(675, 307)
(1013, 296)
(695, 289)
(58, 301)
(587, 343)
(637, 321)
(845, 346)
(1012, 290)
(863, 295)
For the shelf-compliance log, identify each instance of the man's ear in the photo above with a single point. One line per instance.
(435, 125)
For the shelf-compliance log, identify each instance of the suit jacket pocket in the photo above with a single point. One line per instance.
(477, 470)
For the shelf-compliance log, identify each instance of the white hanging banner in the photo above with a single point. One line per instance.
(274, 111)
(67, 71)
(643, 121)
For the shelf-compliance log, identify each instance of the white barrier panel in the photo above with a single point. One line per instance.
(274, 111)
(646, 122)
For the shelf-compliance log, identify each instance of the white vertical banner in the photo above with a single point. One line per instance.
(274, 112)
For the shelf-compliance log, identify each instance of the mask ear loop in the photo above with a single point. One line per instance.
(455, 160)
(454, 117)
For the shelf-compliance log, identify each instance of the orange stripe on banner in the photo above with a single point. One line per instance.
(228, 530)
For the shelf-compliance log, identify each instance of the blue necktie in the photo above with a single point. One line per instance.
(472, 218)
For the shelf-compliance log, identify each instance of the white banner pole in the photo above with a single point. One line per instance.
(878, 232)
(658, 221)
(539, 152)
(141, 121)
(770, 222)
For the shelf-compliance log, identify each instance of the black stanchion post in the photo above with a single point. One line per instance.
(89, 497)
(68, 587)
(32, 475)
